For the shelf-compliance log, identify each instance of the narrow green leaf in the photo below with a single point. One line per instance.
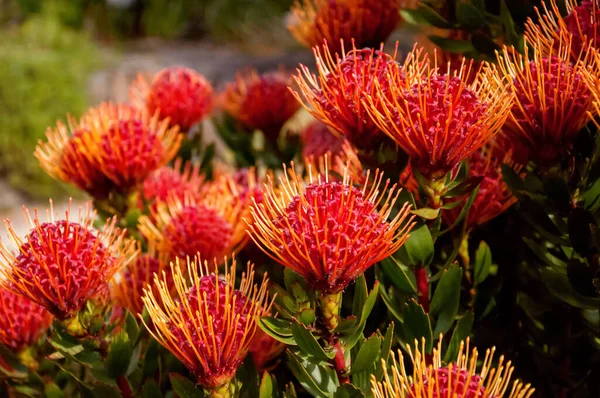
(364, 314)
(132, 327)
(469, 16)
(424, 14)
(10, 364)
(367, 355)
(360, 295)
(184, 388)
(308, 344)
(427, 213)
(348, 391)
(151, 390)
(268, 386)
(386, 349)
(483, 262)
(418, 249)
(452, 46)
(400, 275)
(319, 381)
(446, 298)
(417, 325)
(119, 355)
(461, 332)
(279, 329)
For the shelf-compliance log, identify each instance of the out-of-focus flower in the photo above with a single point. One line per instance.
(180, 94)
(127, 287)
(368, 22)
(329, 232)
(113, 148)
(61, 264)
(260, 101)
(264, 349)
(211, 226)
(22, 322)
(493, 198)
(209, 324)
(318, 141)
(552, 101)
(435, 116)
(579, 26)
(431, 378)
(178, 180)
(336, 96)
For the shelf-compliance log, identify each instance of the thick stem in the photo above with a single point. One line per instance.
(330, 309)
(422, 287)
(340, 364)
(124, 387)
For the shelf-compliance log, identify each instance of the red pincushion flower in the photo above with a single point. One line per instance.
(552, 103)
(336, 97)
(431, 378)
(22, 322)
(63, 264)
(180, 94)
(436, 117)
(264, 349)
(260, 102)
(368, 22)
(112, 149)
(318, 141)
(329, 232)
(210, 325)
(176, 180)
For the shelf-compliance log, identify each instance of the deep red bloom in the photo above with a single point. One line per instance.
(369, 23)
(63, 264)
(22, 322)
(329, 232)
(208, 325)
(318, 141)
(336, 97)
(261, 102)
(180, 94)
(177, 180)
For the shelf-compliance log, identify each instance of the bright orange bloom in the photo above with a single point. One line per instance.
(264, 349)
(368, 22)
(494, 196)
(61, 264)
(579, 26)
(431, 378)
(178, 180)
(209, 324)
(211, 226)
(113, 148)
(552, 101)
(261, 101)
(336, 96)
(178, 93)
(434, 115)
(22, 322)
(329, 231)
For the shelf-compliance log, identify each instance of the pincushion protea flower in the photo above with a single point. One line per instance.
(260, 101)
(61, 264)
(336, 96)
(434, 115)
(209, 325)
(318, 141)
(579, 26)
(431, 379)
(368, 22)
(211, 226)
(113, 148)
(180, 180)
(180, 94)
(22, 322)
(552, 101)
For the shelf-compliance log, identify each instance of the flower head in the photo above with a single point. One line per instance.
(264, 349)
(552, 101)
(261, 101)
(368, 22)
(433, 378)
(211, 226)
(61, 264)
(178, 180)
(180, 94)
(336, 95)
(209, 325)
(328, 231)
(318, 141)
(434, 115)
(113, 148)
(22, 322)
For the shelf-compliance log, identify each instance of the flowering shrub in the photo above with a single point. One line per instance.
(434, 202)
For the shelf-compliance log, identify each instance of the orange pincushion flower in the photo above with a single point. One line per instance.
(61, 264)
(329, 232)
(431, 378)
(368, 22)
(22, 322)
(261, 101)
(435, 116)
(264, 349)
(182, 181)
(336, 96)
(180, 94)
(112, 148)
(211, 226)
(209, 325)
(552, 101)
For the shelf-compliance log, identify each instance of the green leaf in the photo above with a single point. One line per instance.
(151, 359)
(268, 386)
(279, 329)
(424, 14)
(184, 388)
(351, 339)
(367, 355)
(464, 188)
(461, 332)
(119, 355)
(10, 364)
(469, 16)
(361, 292)
(51, 390)
(319, 381)
(307, 316)
(151, 390)
(427, 213)
(348, 391)
(483, 262)
(308, 344)
(591, 197)
(418, 249)
(544, 254)
(386, 347)
(451, 45)
(400, 275)
(346, 325)
(446, 299)
(558, 283)
(132, 327)
(484, 44)
(417, 325)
